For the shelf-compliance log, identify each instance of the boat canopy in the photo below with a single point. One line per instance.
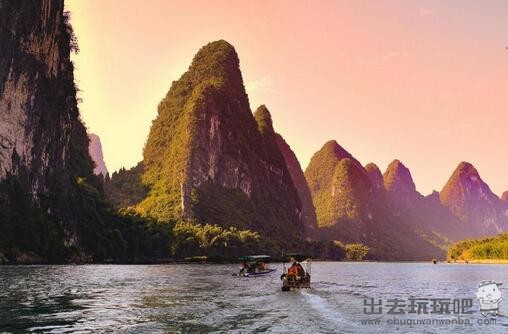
(297, 256)
(254, 257)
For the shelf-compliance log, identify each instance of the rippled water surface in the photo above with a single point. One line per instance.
(208, 299)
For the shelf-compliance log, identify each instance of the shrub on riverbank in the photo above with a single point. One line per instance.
(356, 252)
(487, 248)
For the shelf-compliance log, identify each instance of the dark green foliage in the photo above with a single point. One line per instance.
(324, 250)
(125, 188)
(109, 236)
(100, 233)
(216, 205)
(480, 249)
(231, 207)
(23, 227)
(94, 217)
(146, 240)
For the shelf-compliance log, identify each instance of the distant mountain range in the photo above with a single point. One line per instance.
(358, 204)
(353, 206)
(209, 159)
(215, 176)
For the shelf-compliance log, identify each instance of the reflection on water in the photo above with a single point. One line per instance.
(207, 299)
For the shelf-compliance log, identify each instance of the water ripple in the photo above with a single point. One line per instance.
(207, 299)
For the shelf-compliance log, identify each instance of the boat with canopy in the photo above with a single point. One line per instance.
(254, 265)
(296, 272)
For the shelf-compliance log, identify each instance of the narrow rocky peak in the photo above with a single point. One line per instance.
(398, 179)
(375, 176)
(215, 58)
(470, 199)
(319, 173)
(210, 159)
(338, 151)
(464, 185)
(264, 120)
(216, 63)
(95, 151)
(269, 143)
(355, 185)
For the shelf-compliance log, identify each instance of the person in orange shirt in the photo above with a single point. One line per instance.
(293, 270)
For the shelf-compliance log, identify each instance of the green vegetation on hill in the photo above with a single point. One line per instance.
(207, 161)
(172, 138)
(338, 183)
(125, 188)
(495, 248)
(24, 228)
(210, 160)
(351, 190)
(29, 235)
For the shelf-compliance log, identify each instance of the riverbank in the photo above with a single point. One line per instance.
(482, 261)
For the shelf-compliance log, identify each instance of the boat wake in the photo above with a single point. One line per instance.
(323, 308)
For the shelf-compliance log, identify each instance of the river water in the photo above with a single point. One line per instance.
(208, 299)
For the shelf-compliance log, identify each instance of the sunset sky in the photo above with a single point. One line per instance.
(422, 81)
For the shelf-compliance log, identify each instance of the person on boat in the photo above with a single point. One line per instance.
(301, 271)
(251, 268)
(261, 266)
(243, 267)
(293, 270)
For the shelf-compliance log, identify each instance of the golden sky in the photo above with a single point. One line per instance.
(422, 81)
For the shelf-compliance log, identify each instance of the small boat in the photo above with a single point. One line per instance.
(254, 265)
(297, 274)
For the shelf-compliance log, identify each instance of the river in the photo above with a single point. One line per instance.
(197, 298)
